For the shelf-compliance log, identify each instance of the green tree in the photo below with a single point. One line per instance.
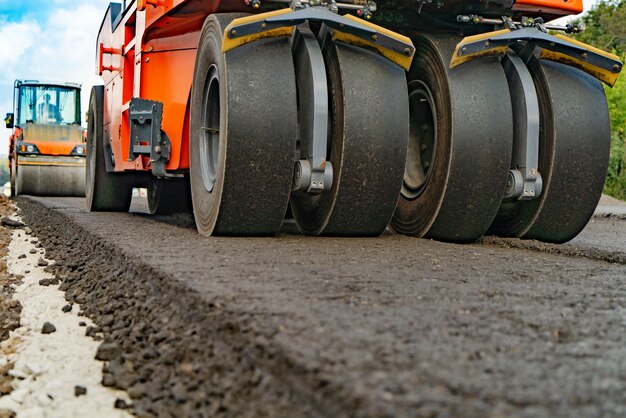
(4, 171)
(605, 28)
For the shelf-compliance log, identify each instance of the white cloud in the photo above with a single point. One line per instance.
(60, 48)
(16, 39)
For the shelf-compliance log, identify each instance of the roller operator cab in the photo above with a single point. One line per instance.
(47, 145)
(437, 118)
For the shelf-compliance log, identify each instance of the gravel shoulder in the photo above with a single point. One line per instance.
(10, 309)
(54, 369)
(298, 326)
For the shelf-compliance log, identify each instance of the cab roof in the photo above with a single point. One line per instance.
(68, 84)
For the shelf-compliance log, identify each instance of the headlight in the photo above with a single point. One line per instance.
(26, 148)
(78, 150)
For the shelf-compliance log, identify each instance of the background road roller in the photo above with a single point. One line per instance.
(438, 118)
(47, 147)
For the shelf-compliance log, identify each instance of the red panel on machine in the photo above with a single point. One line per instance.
(564, 7)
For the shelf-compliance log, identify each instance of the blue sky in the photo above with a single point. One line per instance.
(47, 40)
(51, 40)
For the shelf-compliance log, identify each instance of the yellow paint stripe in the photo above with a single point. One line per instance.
(588, 47)
(232, 43)
(601, 74)
(607, 76)
(462, 59)
(402, 60)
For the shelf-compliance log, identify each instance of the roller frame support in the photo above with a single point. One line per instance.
(573, 156)
(524, 180)
(350, 29)
(312, 173)
(600, 64)
(368, 153)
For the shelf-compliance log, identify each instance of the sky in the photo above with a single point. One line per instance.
(52, 40)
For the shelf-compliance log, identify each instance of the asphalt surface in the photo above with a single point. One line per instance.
(345, 327)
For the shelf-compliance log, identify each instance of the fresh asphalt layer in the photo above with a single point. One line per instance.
(392, 326)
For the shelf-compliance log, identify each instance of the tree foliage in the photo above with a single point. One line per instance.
(4, 172)
(605, 28)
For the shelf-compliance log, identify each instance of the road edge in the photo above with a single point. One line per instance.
(221, 366)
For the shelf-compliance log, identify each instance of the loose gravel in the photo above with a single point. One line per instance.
(10, 308)
(49, 351)
(305, 327)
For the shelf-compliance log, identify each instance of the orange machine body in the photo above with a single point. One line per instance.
(549, 7)
(148, 51)
(150, 54)
(55, 140)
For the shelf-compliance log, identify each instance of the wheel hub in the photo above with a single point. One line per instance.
(210, 130)
(422, 140)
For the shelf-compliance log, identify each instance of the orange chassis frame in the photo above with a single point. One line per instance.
(150, 54)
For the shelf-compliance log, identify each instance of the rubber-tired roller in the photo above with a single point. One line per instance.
(350, 117)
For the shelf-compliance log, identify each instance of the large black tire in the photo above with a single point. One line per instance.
(574, 145)
(105, 191)
(368, 135)
(169, 196)
(460, 144)
(242, 133)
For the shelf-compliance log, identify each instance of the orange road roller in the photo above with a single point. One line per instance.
(47, 146)
(436, 118)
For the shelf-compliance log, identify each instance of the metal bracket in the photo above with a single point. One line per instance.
(544, 41)
(146, 136)
(602, 65)
(248, 30)
(509, 23)
(332, 20)
(312, 174)
(524, 182)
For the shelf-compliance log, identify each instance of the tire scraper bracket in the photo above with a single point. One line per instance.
(146, 136)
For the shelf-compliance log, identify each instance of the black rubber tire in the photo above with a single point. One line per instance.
(461, 191)
(110, 192)
(248, 164)
(169, 196)
(369, 130)
(573, 156)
